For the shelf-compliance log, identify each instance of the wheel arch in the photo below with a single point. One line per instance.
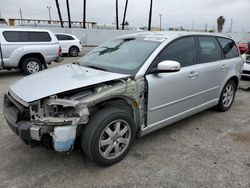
(125, 103)
(72, 47)
(31, 55)
(235, 80)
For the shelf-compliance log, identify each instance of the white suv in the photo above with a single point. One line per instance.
(29, 50)
(70, 44)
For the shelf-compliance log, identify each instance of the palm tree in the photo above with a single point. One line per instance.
(220, 22)
(84, 14)
(59, 12)
(150, 15)
(117, 18)
(68, 10)
(124, 16)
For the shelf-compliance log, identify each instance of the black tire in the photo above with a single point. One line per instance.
(95, 130)
(221, 105)
(73, 51)
(31, 65)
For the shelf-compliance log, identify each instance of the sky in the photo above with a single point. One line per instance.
(175, 13)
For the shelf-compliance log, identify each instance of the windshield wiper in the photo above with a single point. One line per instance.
(95, 67)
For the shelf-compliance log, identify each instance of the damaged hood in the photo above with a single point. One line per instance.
(60, 79)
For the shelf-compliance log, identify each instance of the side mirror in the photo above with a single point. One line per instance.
(169, 66)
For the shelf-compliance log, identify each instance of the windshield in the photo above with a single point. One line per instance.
(124, 56)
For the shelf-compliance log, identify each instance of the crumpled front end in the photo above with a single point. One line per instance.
(59, 118)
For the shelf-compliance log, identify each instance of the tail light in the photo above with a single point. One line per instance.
(60, 50)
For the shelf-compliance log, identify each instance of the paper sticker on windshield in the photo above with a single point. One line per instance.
(156, 39)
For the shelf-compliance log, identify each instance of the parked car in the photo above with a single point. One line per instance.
(126, 87)
(246, 67)
(29, 50)
(244, 46)
(70, 44)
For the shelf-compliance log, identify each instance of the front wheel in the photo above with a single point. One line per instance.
(108, 136)
(227, 96)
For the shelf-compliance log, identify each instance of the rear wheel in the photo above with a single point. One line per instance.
(31, 65)
(227, 96)
(108, 136)
(73, 51)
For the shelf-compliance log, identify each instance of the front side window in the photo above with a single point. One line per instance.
(11, 36)
(209, 49)
(183, 51)
(124, 56)
(229, 48)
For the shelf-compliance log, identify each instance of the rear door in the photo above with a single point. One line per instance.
(231, 54)
(65, 42)
(213, 68)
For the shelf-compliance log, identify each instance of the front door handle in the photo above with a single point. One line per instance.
(193, 74)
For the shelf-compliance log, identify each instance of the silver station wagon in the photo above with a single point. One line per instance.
(126, 87)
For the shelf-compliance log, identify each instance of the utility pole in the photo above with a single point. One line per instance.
(206, 27)
(84, 14)
(124, 16)
(150, 15)
(117, 17)
(192, 28)
(68, 10)
(160, 21)
(231, 26)
(49, 7)
(21, 14)
(59, 13)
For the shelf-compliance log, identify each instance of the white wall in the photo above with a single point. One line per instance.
(92, 36)
(97, 36)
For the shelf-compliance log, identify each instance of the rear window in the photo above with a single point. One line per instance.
(26, 36)
(64, 37)
(229, 48)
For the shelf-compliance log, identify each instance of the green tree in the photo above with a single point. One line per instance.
(220, 22)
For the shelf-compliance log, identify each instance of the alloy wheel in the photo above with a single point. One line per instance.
(114, 139)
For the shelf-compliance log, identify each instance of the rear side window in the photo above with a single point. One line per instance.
(39, 37)
(229, 48)
(64, 37)
(26, 36)
(209, 49)
(182, 50)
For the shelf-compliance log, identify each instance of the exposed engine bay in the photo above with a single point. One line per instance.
(61, 115)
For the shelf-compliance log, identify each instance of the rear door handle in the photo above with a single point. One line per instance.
(193, 74)
(224, 67)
